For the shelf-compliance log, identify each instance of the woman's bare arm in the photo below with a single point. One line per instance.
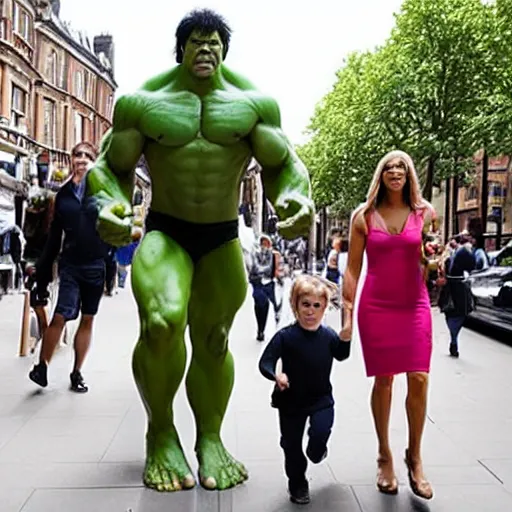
(357, 244)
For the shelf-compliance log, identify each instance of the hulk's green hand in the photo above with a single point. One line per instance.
(115, 221)
(296, 212)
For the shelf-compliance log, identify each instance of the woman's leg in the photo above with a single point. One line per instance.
(381, 408)
(416, 406)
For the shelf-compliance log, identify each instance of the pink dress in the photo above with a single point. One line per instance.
(395, 321)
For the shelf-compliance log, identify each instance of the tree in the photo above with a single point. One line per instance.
(425, 91)
(495, 122)
(345, 140)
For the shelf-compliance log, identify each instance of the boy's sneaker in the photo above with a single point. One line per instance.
(299, 495)
(39, 374)
(308, 453)
(77, 382)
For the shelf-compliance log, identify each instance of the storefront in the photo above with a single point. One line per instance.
(12, 195)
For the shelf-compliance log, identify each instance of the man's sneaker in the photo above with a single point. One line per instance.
(454, 351)
(39, 374)
(77, 382)
(299, 495)
(260, 336)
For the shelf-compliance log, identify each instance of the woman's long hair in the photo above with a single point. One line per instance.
(411, 191)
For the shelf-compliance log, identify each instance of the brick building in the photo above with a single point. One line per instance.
(56, 88)
(499, 202)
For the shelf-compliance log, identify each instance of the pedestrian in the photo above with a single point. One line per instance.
(124, 258)
(394, 317)
(262, 279)
(110, 271)
(303, 389)
(334, 232)
(481, 257)
(81, 268)
(333, 272)
(342, 260)
(455, 300)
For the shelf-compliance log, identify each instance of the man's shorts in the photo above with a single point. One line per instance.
(80, 288)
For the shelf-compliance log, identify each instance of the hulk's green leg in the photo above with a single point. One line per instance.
(161, 280)
(218, 290)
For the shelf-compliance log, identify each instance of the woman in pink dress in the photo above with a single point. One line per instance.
(394, 315)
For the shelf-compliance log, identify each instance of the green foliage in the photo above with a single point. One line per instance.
(345, 140)
(440, 88)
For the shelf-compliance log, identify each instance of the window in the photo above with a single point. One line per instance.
(63, 81)
(497, 190)
(49, 122)
(21, 22)
(100, 100)
(65, 126)
(92, 88)
(471, 193)
(79, 127)
(110, 102)
(51, 67)
(18, 107)
(79, 85)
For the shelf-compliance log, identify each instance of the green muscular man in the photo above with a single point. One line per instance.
(197, 125)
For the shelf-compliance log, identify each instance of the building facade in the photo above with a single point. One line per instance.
(56, 89)
(499, 202)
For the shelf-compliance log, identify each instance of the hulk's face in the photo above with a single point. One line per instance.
(202, 54)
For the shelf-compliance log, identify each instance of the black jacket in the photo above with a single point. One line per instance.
(75, 216)
(307, 358)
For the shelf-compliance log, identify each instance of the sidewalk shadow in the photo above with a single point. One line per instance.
(418, 505)
(327, 498)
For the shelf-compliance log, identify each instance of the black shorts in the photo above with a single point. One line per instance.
(80, 288)
(196, 239)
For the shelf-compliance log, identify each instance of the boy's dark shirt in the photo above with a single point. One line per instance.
(75, 215)
(307, 358)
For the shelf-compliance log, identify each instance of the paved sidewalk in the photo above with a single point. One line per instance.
(60, 451)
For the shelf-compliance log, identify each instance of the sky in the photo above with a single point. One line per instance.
(290, 49)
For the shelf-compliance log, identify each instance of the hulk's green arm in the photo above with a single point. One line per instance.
(284, 175)
(120, 150)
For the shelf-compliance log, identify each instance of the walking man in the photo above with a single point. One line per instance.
(81, 268)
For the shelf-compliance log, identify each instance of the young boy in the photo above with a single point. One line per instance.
(303, 389)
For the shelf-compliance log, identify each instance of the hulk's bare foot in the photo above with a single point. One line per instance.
(166, 467)
(217, 468)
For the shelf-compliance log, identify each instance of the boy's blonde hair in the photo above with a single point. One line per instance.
(305, 285)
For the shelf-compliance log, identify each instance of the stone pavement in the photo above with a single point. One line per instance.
(60, 451)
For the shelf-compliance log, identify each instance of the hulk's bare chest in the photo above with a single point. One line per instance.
(176, 119)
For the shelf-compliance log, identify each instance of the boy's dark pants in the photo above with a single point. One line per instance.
(292, 434)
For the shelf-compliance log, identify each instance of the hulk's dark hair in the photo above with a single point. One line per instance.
(206, 22)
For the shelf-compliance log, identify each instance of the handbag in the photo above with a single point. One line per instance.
(445, 303)
(470, 300)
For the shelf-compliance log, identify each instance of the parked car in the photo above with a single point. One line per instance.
(492, 291)
(495, 256)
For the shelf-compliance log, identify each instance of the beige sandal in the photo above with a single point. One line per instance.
(383, 485)
(422, 489)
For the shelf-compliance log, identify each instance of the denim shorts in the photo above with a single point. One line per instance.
(80, 289)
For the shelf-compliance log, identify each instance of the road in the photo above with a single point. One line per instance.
(61, 451)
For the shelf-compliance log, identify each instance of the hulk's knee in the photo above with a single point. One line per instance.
(210, 342)
(162, 327)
